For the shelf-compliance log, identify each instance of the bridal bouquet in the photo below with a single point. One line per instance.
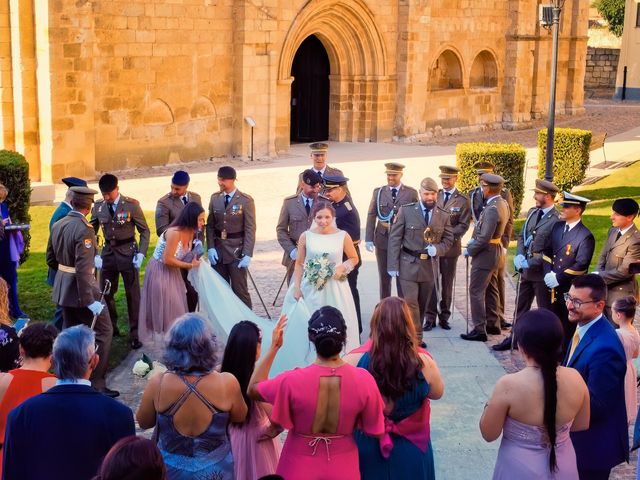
(319, 270)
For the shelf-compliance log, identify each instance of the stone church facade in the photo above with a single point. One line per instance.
(97, 85)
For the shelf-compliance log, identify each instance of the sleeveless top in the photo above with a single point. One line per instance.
(205, 456)
(162, 244)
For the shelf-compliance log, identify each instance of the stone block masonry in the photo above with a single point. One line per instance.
(602, 67)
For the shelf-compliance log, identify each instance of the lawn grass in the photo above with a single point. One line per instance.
(624, 182)
(35, 294)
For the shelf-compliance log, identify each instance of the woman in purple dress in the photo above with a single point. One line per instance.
(537, 407)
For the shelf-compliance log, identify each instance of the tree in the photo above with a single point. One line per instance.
(613, 12)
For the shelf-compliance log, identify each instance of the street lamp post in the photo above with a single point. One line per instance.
(555, 26)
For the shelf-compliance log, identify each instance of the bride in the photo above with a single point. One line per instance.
(224, 309)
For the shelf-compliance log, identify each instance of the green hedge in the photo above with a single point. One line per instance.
(509, 159)
(14, 174)
(570, 156)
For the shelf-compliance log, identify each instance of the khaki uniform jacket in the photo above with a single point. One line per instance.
(532, 240)
(477, 204)
(489, 228)
(237, 222)
(72, 245)
(169, 207)
(408, 232)
(459, 210)
(613, 264)
(120, 232)
(293, 221)
(377, 230)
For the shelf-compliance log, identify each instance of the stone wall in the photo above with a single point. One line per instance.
(602, 67)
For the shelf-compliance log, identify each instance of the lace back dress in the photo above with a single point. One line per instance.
(207, 456)
(524, 453)
(164, 295)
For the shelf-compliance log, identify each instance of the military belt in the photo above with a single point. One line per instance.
(416, 253)
(66, 269)
(384, 224)
(116, 243)
(228, 235)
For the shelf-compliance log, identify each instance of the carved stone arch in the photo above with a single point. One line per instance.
(203, 107)
(446, 72)
(360, 108)
(157, 113)
(484, 70)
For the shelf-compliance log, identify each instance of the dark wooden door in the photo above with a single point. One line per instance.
(310, 92)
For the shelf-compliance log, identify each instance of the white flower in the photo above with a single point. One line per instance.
(158, 368)
(140, 368)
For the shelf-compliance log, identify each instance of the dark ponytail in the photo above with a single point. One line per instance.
(539, 333)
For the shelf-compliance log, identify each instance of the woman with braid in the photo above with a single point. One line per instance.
(537, 407)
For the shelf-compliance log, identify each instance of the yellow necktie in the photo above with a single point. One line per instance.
(574, 343)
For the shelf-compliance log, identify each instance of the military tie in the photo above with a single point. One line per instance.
(427, 216)
(446, 197)
(619, 234)
(574, 343)
(184, 199)
(566, 230)
(394, 193)
(307, 206)
(112, 209)
(539, 217)
(227, 199)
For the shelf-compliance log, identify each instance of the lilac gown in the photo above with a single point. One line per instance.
(524, 453)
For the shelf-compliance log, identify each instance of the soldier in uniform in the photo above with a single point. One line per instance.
(231, 232)
(319, 158)
(295, 218)
(567, 255)
(71, 251)
(477, 204)
(621, 249)
(167, 210)
(347, 219)
(528, 260)
(456, 204)
(383, 209)
(421, 233)
(120, 217)
(485, 250)
(59, 213)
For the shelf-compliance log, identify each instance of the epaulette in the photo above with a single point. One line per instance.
(409, 204)
(130, 200)
(291, 197)
(442, 210)
(98, 202)
(246, 195)
(410, 188)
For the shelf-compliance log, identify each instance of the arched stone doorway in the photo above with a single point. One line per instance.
(310, 92)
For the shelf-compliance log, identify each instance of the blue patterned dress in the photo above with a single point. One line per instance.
(406, 460)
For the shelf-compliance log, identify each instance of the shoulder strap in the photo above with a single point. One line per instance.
(191, 388)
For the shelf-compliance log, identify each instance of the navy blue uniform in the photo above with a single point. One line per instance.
(347, 219)
(568, 255)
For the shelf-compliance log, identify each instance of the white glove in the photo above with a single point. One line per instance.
(550, 280)
(465, 252)
(213, 256)
(369, 246)
(244, 262)
(97, 262)
(293, 254)
(596, 272)
(138, 258)
(517, 261)
(393, 273)
(431, 250)
(96, 307)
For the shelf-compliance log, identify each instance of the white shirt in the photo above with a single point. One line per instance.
(73, 381)
(306, 199)
(491, 198)
(321, 172)
(571, 225)
(582, 329)
(231, 194)
(115, 202)
(450, 192)
(622, 232)
(67, 204)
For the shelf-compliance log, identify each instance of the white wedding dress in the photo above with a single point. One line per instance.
(223, 309)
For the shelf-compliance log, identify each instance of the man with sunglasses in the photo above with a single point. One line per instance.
(597, 354)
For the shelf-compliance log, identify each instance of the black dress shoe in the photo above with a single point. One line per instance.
(504, 345)
(494, 330)
(135, 344)
(474, 336)
(504, 325)
(444, 324)
(110, 393)
(427, 327)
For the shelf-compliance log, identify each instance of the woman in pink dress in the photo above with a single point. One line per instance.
(321, 404)
(623, 312)
(254, 442)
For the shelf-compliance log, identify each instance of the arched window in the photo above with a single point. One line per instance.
(446, 72)
(484, 71)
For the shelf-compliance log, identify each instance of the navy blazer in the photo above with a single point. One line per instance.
(63, 434)
(568, 257)
(600, 359)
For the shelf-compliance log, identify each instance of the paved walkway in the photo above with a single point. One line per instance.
(469, 369)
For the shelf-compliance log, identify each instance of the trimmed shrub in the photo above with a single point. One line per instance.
(509, 159)
(14, 174)
(570, 156)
